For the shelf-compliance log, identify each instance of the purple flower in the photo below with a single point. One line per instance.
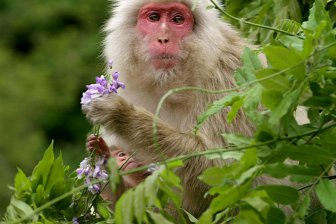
(102, 87)
(75, 220)
(116, 82)
(94, 189)
(110, 62)
(101, 81)
(92, 171)
(115, 76)
(112, 88)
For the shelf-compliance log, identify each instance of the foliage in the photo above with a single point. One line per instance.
(48, 51)
(287, 147)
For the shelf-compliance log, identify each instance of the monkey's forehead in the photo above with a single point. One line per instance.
(127, 10)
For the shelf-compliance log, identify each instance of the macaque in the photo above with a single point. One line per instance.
(124, 161)
(158, 45)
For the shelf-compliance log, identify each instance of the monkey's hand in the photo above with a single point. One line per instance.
(110, 111)
(134, 126)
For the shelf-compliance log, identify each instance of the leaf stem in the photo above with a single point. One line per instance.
(253, 24)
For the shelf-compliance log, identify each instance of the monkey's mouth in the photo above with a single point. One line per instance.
(164, 61)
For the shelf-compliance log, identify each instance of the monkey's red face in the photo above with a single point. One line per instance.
(164, 26)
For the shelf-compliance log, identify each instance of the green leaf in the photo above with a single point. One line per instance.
(251, 63)
(234, 110)
(56, 175)
(281, 58)
(104, 210)
(257, 202)
(271, 98)
(226, 155)
(280, 170)
(22, 209)
(124, 208)
(228, 197)
(309, 154)
(39, 196)
(290, 26)
(139, 202)
(275, 216)
(158, 218)
(41, 171)
(278, 83)
(316, 14)
(114, 175)
(169, 183)
(151, 188)
(214, 176)
(191, 218)
(248, 216)
(215, 107)
(284, 106)
(206, 217)
(304, 206)
(22, 184)
(281, 194)
(326, 193)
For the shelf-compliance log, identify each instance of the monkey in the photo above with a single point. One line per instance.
(158, 45)
(125, 163)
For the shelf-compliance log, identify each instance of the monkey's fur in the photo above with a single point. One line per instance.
(208, 59)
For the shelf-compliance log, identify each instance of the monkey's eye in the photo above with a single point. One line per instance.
(121, 154)
(178, 19)
(154, 17)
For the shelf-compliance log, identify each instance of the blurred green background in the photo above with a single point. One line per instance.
(49, 51)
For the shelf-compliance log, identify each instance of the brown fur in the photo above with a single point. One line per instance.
(208, 58)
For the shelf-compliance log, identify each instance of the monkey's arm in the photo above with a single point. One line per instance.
(135, 127)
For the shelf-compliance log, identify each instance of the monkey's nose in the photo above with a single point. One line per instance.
(163, 40)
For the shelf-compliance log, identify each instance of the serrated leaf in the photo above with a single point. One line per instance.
(281, 58)
(215, 107)
(326, 193)
(284, 106)
(280, 193)
(279, 83)
(158, 218)
(290, 26)
(251, 63)
(316, 14)
(234, 110)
